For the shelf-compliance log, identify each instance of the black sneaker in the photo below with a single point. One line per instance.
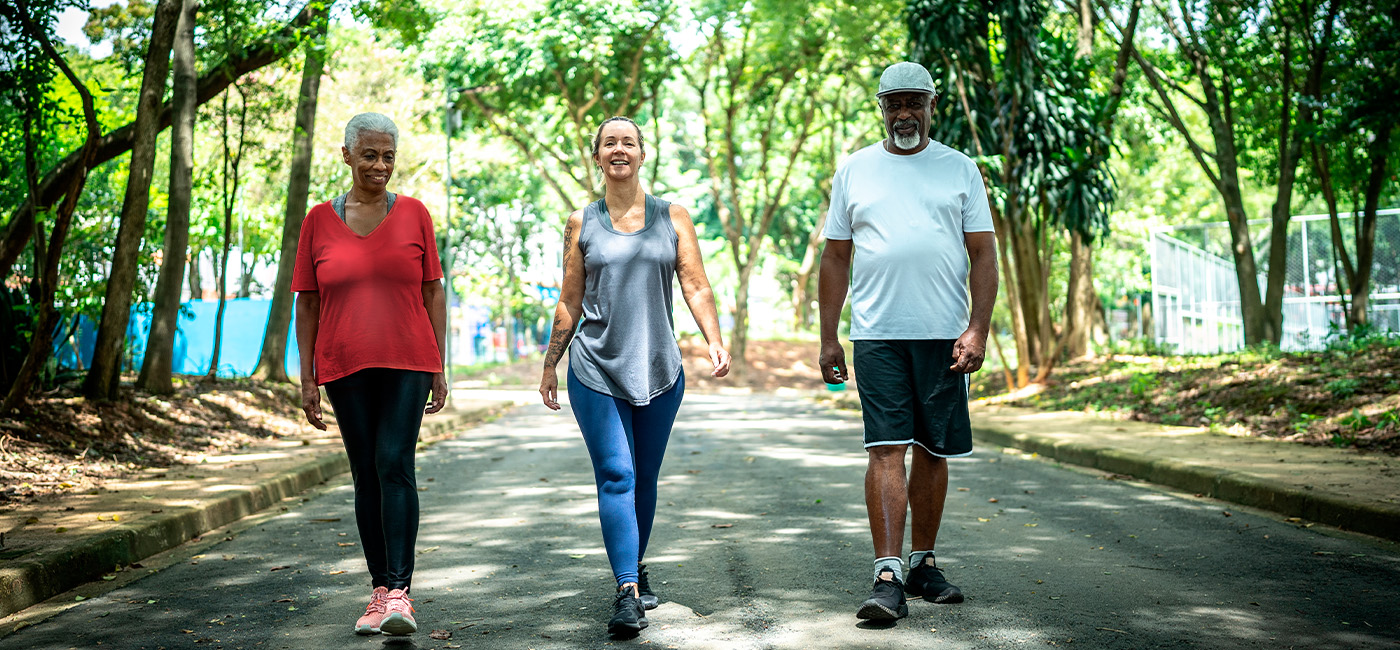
(649, 597)
(927, 581)
(886, 602)
(629, 617)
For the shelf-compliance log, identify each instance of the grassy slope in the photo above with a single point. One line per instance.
(1347, 395)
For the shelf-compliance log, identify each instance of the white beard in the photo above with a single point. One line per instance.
(906, 142)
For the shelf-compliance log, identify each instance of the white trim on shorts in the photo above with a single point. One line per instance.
(911, 441)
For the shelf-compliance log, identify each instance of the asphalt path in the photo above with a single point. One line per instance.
(761, 542)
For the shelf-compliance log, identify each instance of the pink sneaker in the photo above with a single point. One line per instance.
(374, 613)
(398, 619)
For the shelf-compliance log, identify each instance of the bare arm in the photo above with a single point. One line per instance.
(566, 313)
(833, 281)
(695, 288)
(308, 308)
(435, 301)
(971, 348)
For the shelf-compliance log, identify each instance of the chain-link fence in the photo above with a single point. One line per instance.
(1196, 296)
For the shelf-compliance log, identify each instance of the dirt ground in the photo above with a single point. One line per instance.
(64, 443)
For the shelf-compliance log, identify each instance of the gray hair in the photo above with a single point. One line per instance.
(369, 123)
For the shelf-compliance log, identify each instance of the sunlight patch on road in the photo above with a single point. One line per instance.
(809, 458)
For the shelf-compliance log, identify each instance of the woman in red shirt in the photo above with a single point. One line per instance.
(371, 318)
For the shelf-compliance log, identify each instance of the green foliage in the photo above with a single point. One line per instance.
(127, 26)
(542, 74)
(1141, 384)
(1342, 388)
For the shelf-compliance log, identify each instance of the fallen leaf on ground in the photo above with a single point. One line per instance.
(721, 525)
(430, 549)
(344, 543)
(327, 520)
(284, 600)
(279, 568)
(335, 573)
(992, 500)
(577, 556)
(964, 489)
(440, 635)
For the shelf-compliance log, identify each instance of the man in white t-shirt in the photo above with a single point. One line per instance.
(911, 216)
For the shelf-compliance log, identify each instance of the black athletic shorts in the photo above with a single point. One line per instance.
(908, 395)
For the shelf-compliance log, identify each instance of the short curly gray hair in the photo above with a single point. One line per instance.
(369, 123)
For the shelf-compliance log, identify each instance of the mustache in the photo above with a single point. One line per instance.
(910, 122)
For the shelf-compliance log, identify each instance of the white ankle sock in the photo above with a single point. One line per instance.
(891, 564)
(917, 557)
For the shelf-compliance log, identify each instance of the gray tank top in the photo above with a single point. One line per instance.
(626, 345)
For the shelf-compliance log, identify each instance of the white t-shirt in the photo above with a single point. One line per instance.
(906, 216)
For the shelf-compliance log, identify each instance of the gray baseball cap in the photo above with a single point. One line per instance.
(906, 76)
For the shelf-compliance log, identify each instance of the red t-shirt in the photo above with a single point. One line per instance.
(372, 313)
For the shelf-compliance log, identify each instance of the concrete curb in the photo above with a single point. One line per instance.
(1377, 519)
(31, 581)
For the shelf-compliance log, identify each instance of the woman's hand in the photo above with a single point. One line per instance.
(439, 393)
(720, 357)
(549, 388)
(311, 403)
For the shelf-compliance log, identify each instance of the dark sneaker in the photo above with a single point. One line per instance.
(629, 617)
(886, 602)
(927, 581)
(649, 597)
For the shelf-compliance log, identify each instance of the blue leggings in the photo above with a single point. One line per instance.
(626, 444)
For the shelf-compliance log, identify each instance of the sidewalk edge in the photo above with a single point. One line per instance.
(1332, 509)
(24, 583)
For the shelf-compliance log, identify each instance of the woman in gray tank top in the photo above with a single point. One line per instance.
(625, 377)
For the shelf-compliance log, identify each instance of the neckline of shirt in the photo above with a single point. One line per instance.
(392, 205)
(648, 206)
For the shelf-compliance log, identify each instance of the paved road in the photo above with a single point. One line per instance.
(761, 542)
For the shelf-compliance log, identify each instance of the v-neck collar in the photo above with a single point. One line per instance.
(346, 223)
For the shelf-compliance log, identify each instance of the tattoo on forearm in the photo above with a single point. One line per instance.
(559, 339)
(568, 244)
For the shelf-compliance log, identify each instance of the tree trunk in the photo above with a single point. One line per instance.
(223, 301)
(739, 340)
(157, 366)
(1080, 299)
(102, 378)
(1366, 235)
(245, 276)
(196, 278)
(272, 360)
(801, 287)
(1013, 301)
(1029, 289)
(1241, 249)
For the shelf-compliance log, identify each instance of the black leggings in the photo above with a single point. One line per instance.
(379, 411)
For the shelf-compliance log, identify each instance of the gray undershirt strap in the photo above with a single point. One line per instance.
(338, 204)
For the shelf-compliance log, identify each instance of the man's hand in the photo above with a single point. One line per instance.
(969, 351)
(832, 361)
(549, 388)
(439, 393)
(311, 403)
